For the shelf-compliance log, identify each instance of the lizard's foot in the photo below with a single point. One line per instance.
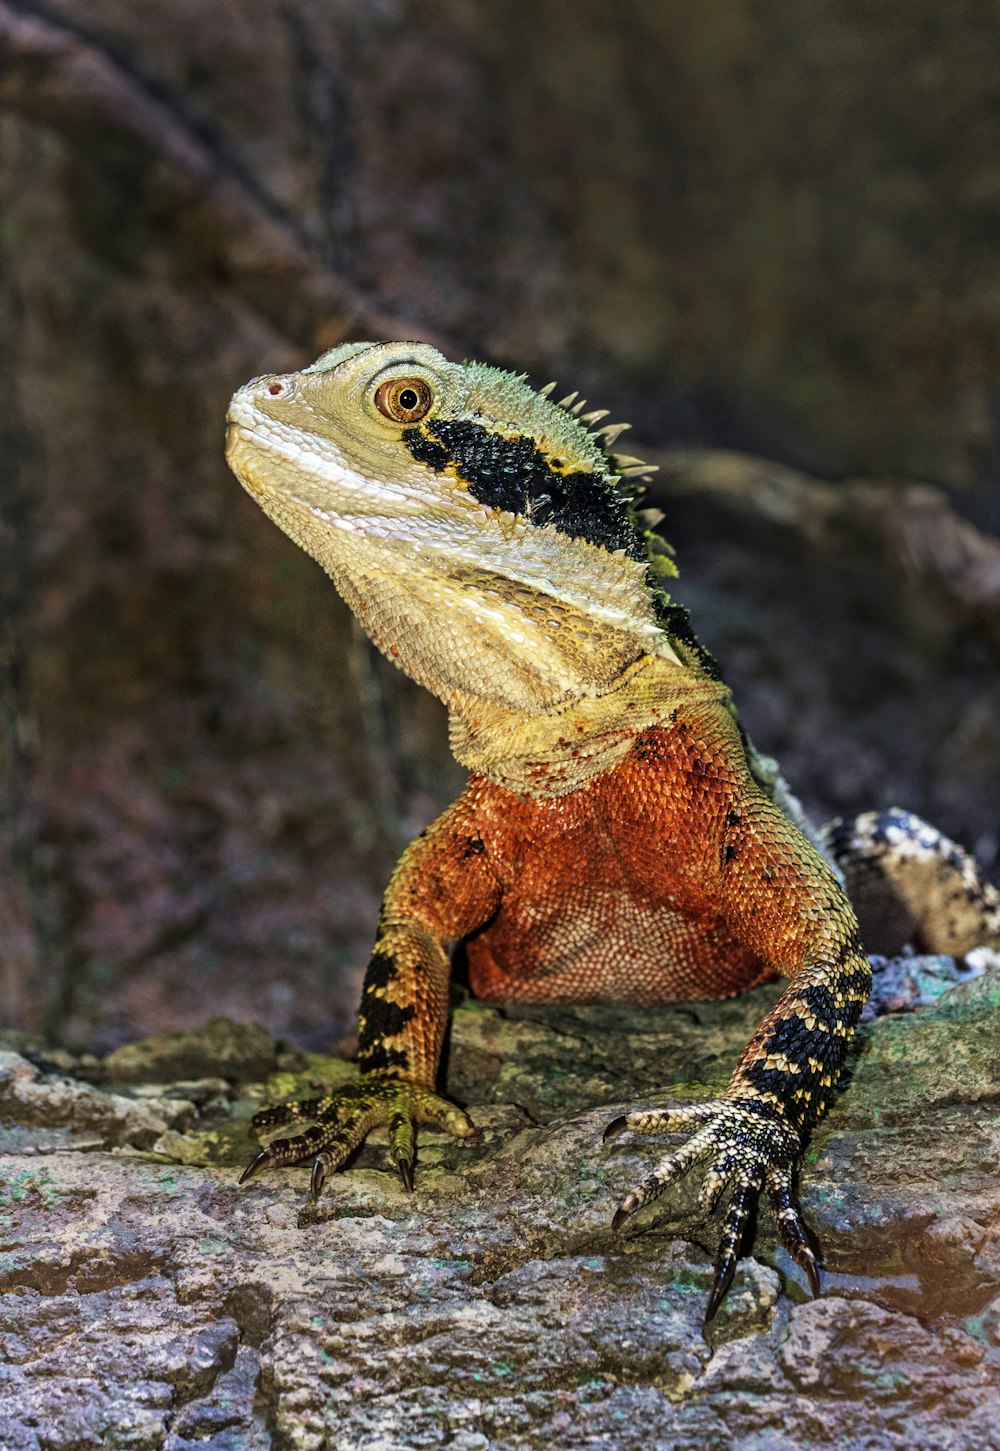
(342, 1120)
(749, 1151)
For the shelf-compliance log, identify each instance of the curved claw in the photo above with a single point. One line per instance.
(793, 1232)
(615, 1128)
(257, 1163)
(810, 1264)
(318, 1177)
(725, 1269)
(741, 1206)
(403, 1148)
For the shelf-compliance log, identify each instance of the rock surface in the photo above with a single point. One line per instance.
(150, 1302)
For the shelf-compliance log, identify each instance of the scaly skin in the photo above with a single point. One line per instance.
(617, 839)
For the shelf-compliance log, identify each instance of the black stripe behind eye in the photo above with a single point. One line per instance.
(514, 475)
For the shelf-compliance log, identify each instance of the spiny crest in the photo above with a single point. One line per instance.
(573, 479)
(629, 477)
(508, 401)
(624, 465)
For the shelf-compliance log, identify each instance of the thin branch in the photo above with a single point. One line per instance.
(914, 525)
(54, 75)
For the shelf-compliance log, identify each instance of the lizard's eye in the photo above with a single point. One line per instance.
(404, 400)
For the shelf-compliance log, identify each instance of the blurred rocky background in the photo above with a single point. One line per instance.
(765, 233)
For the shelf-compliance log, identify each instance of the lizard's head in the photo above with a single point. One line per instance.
(478, 530)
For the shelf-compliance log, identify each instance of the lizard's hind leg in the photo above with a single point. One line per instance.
(910, 885)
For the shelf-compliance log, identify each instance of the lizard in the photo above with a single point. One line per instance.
(619, 838)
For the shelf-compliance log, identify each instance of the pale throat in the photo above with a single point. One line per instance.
(542, 694)
(553, 751)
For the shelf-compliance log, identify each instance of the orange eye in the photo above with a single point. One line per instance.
(404, 400)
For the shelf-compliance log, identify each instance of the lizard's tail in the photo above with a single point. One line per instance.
(909, 884)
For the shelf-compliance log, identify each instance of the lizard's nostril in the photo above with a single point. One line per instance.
(277, 390)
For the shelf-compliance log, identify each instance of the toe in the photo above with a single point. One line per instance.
(403, 1147)
(790, 1226)
(740, 1207)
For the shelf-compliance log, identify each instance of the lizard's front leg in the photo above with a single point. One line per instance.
(782, 900)
(441, 890)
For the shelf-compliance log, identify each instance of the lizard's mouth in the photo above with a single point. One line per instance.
(274, 460)
(243, 447)
(236, 457)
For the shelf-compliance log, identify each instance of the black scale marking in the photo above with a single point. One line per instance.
(514, 475)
